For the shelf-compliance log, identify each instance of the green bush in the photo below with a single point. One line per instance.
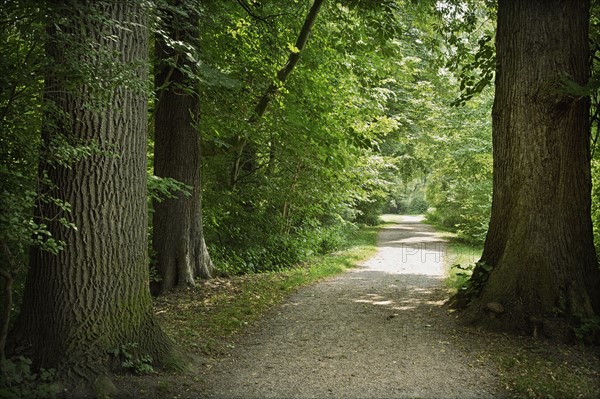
(20, 381)
(283, 251)
(412, 204)
(129, 359)
(368, 212)
(588, 331)
(461, 204)
(596, 202)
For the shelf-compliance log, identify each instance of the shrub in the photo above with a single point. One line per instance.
(21, 382)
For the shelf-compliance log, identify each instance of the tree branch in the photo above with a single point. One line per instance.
(282, 74)
(293, 59)
(248, 9)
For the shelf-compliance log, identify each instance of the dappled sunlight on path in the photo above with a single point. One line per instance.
(378, 331)
(409, 248)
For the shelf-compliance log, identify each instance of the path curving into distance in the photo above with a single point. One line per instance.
(377, 331)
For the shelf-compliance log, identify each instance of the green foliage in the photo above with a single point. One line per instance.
(469, 281)
(154, 275)
(162, 188)
(460, 276)
(462, 257)
(407, 197)
(278, 252)
(458, 148)
(20, 381)
(476, 75)
(22, 62)
(459, 189)
(315, 166)
(539, 373)
(594, 92)
(467, 27)
(359, 127)
(596, 202)
(129, 358)
(588, 331)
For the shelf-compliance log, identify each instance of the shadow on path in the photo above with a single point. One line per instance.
(378, 331)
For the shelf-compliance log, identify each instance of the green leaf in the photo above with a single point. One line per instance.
(293, 48)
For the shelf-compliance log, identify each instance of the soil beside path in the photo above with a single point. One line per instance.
(377, 331)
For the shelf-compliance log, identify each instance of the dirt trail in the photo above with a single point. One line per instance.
(377, 331)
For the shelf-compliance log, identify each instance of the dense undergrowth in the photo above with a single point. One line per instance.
(262, 251)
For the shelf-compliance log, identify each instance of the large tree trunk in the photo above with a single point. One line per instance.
(540, 242)
(178, 238)
(93, 296)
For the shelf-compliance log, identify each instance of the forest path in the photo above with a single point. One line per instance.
(377, 331)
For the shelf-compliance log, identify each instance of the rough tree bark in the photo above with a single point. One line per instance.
(540, 244)
(93, 296)
(178, 235)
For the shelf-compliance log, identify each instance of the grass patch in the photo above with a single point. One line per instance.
(202, 319)
(460, 258)
(541, 371)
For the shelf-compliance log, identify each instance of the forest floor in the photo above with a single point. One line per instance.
(381, 330)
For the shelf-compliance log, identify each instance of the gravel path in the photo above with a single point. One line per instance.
(377, 331)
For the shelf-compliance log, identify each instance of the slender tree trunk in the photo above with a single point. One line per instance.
(178, 235)
(7, 303)
(93, 296)
(245, 158)
(540, 244)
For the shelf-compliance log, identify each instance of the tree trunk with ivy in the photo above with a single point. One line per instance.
(92, 297)
(539, 261)
(178, 235)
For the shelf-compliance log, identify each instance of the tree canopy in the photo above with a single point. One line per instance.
(269, 130)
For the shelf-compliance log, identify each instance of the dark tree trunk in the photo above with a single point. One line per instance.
(540, 242)
(93, 296)
(178, 238)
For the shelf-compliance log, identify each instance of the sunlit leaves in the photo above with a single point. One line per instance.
(293, 48)
(467, 29)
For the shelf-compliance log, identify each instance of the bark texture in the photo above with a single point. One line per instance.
(93, 296)
(178, 235)
(540, 242)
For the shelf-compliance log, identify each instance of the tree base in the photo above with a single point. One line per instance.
(557, 328)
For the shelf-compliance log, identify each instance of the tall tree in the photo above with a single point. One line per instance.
(93, 295)
(245, 156)
(21, 55)
(178, 235)
(539, 260)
